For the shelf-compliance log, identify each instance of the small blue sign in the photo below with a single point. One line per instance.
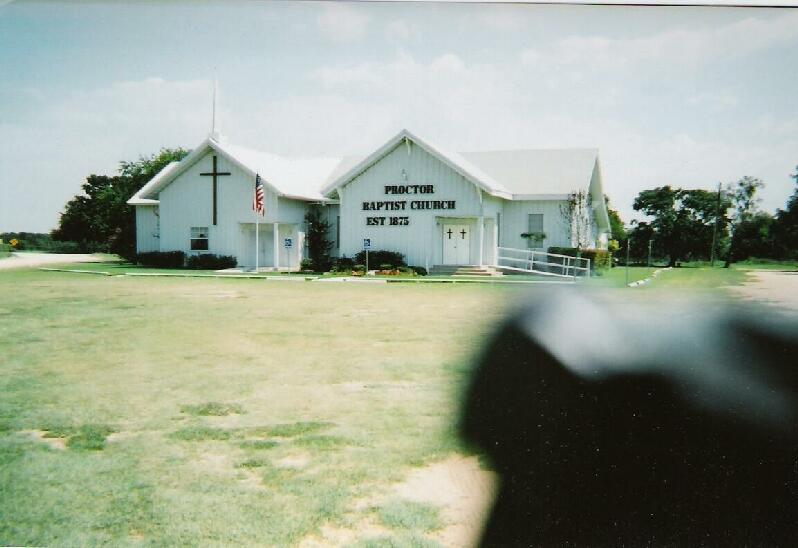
(288, 243)
(366, 243)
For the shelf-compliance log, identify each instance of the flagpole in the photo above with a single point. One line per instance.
(256, 242)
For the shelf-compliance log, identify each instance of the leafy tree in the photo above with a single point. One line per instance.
(682, 221)
(743, 199)
(753, 237)
(319, 244)
(100, 219)
(784, 232)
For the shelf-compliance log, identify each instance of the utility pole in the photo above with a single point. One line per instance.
(628, 245)
(715, 230)
(650, 241)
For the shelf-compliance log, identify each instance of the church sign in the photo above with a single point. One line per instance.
(404, 205)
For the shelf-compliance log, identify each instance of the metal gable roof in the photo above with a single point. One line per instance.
(509, 174)
(541, 171)
(298, 178)
(452, 159)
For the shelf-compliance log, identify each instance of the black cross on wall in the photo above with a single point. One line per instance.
(449, 232)
(463, 232)
(214, 173)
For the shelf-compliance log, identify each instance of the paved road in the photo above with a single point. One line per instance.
(771, 286)
(30, 260)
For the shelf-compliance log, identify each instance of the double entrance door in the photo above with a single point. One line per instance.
(456, 244)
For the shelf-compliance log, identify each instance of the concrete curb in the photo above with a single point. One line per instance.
(649, 279)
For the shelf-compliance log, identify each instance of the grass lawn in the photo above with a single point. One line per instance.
(203, 410)
(188, 411)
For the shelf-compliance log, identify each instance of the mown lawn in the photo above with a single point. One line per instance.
(202, 410)
(193, 411)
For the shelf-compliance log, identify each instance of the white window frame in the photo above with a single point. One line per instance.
(199, 234)
(535, 244)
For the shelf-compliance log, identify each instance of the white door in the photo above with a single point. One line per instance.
(456, 244)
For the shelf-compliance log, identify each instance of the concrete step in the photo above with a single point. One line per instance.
(465, 270)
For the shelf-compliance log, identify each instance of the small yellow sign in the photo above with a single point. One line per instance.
(13, 242)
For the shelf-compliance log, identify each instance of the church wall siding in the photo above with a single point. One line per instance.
(421, 240)
(515, 221)
(187, 202)
(147, 231)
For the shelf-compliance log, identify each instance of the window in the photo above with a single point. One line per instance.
(536, 234)
(199, 238)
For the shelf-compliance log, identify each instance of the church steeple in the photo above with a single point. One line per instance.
(216, 133)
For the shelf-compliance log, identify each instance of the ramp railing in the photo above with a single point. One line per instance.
(542, 263)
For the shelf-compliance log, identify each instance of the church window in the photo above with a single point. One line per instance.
(199, 238)
(535, 241)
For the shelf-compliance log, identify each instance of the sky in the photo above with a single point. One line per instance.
(686, 96)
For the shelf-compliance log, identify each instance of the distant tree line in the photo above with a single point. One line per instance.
(701, 225)
(100, 219)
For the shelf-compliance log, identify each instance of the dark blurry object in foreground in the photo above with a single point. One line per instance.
(624, 426)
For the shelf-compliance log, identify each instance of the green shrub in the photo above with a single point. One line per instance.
(599, 258)
(211, 261)
(343, 264)
(386, 266)
(162, 259)
(420, 270)
(5, 250)
(307, 264)
(359, 268)
(380, 257)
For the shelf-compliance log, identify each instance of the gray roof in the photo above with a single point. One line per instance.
(540, 171)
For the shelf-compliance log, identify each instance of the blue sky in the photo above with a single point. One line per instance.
(681, 96)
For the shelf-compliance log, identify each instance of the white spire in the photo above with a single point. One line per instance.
(215, 133)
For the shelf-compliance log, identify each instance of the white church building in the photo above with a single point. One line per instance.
(434, 206)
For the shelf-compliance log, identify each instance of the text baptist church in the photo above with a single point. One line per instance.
(434, 206)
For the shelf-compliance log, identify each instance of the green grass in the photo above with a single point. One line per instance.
(202, 433)
(406, 540)
(345, 388)
(212, 409)
(409, 515)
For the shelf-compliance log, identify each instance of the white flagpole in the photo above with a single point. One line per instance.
(256, 241)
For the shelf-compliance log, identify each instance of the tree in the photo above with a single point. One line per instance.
(682, 221)
(576, 217)
(784, 233)
(319, 245)
(100, 219)
(743, 199)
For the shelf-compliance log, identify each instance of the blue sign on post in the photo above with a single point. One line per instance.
(366, 243)
(288, 243)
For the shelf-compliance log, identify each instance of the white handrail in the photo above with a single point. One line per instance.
(569, 266)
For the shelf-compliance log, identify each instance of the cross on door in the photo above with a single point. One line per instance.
(463, 233)
(214, 173)
(449, 232)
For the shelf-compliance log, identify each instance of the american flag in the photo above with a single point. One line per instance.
(257, 200)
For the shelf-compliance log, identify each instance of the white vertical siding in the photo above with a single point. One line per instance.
(147, 231)
(420, 241)
(187, 202)
(515, 221)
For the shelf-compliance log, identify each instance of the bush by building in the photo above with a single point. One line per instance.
(211, 261)
(161, 259)
(599, 258)
(381, 257)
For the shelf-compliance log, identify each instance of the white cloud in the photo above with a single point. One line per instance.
(402, 30)
(342, 22)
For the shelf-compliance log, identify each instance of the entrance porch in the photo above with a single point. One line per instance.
(279, 247)
(464, 241)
